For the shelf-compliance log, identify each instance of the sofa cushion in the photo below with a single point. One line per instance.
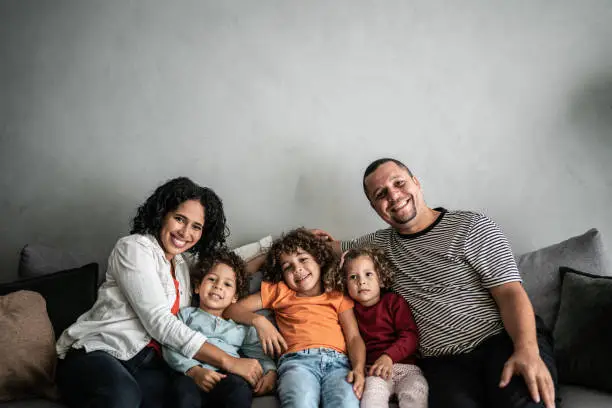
(583, 333)
(68, 293)
(37, 259)
(580, 397)
(540, 270)
(32, 403)
(27, 347)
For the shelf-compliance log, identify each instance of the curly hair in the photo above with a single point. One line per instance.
(303, 239)
(226, 257)
(167, 197)
(383, 267)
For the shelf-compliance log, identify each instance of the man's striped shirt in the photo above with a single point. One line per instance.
(445, 272)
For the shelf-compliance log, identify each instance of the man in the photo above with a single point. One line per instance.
(479, 342)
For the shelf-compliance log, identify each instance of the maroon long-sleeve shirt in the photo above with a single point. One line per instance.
(388, 328)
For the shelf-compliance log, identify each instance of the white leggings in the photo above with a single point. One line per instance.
(407, 382)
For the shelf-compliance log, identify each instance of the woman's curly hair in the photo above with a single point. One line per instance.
(226, 257)
(303, 239)
(383, 267)
(167, 197)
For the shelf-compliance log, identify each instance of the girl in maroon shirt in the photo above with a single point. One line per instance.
(388, 330)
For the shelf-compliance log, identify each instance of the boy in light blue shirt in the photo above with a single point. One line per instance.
(219, 281)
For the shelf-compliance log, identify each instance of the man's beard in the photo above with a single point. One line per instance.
(411, 215)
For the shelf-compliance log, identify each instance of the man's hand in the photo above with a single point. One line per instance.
(382, 367)
(326, 237)
(247, 368)
(527, 363)
(204, 378)
(266, 384)
(322, 235)
(272, 342)
(356, 378)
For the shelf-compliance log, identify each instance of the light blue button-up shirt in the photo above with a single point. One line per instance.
(235, 339)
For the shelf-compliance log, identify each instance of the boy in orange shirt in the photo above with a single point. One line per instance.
(316, 321)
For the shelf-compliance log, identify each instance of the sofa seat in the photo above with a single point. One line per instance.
(574, 396)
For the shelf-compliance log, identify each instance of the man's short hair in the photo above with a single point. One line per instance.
(376, 164)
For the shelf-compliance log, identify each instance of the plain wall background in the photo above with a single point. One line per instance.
(498, 106)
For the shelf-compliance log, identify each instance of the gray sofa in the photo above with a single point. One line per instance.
(542, 280)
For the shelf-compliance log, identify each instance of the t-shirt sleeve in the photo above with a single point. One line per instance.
(406, 329)
(269, 293)
(357, 242)
(488, 251)
(345, 304)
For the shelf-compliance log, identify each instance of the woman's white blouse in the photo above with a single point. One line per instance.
(134, 303)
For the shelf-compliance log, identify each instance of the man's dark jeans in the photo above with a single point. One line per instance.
(98, 380)
(471, 380)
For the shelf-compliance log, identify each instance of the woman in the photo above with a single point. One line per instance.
(111, 356)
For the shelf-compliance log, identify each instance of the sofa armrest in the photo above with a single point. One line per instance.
(68, 293)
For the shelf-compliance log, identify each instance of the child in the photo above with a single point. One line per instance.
(316, 321)
(388, 329)
(219, 281)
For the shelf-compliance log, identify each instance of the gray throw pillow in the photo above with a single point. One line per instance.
(540, 270)
(583, 333)
(37, 260)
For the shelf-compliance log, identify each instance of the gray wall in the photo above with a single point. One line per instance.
(498, 106)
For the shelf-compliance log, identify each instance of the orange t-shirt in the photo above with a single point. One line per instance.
(306, 321)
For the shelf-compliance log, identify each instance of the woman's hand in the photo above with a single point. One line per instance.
(272, 342)
(382, 367)
(204, 378)
(266, 384)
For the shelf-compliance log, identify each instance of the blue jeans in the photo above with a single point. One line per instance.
(315, 375)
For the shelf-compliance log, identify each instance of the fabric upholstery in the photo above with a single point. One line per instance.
(27, 347)
(37, 260)
(540, 270)
(68, 293)
(580, 397)
(583, 333)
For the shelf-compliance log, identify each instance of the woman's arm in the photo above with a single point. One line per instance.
(244, 312)
(356, 350)
(133, 267)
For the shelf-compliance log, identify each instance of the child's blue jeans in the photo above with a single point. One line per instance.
(315, 375)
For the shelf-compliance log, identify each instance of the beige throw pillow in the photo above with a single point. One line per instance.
(27, 347)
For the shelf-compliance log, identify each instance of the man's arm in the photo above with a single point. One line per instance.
(519, 320)
(488, 251)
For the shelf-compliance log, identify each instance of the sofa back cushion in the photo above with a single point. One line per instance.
(38, 259)
(540, 270)
(68, 293)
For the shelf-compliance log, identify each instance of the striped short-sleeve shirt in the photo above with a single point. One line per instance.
(445, 272)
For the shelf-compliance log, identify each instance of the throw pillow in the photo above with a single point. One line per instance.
(38, 259)
(583, 334)
(27, 347)
(540, 270)
(76, 288)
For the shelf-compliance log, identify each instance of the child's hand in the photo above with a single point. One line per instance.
(266, 384)
(204, 378)
(356, 378)
(382, 367)
(271, 340)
